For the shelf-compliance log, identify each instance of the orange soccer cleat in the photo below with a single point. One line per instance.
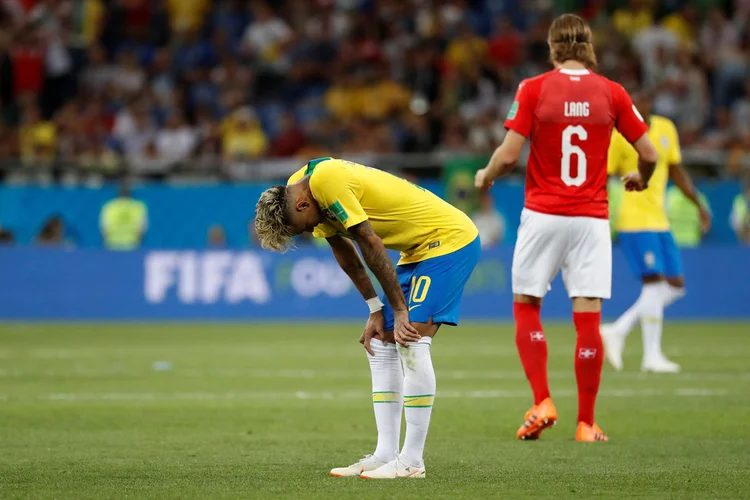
(538, 418)
(590, 433)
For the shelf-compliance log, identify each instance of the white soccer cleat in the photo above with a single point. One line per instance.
(395, 469)
(614, 343)
(659, 364)
(369, 462)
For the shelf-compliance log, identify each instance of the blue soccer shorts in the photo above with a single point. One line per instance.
(433, 287)
(651, 253)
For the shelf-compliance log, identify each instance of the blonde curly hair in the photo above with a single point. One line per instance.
(272, 220)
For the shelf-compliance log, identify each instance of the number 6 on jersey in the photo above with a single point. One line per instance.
(569, 149)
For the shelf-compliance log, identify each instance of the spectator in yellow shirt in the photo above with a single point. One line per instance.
(467, 49)
(86, 22)
(243, 137)
(37, 138)
(383, 97)
(682, 24)
(343, 97)
(186, 15)
(636, 16)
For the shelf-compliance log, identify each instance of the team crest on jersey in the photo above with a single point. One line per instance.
(664, 142)
(513, 110)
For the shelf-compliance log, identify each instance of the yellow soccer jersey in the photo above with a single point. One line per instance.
(407, 218)
(645, 211)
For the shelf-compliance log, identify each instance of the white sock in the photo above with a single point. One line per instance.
(419, 395)
(626, 322)
(652, 317)
(671, 294)
(387, 399)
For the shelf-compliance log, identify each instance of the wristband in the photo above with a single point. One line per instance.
(375, 304)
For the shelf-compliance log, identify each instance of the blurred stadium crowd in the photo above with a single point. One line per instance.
(153, 84)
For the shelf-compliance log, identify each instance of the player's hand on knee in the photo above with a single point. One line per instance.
(403, 331)
(373, 327)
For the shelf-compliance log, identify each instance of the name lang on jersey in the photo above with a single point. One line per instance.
(576, 109)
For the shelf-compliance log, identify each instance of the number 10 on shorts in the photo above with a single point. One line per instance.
(419, 288)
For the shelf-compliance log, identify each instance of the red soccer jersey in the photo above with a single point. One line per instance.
(568, 117)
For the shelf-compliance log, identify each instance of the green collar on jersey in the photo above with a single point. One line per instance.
(314, 163)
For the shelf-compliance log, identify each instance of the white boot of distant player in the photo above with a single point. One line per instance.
(419, 395)
(614, 334)
(652, 321)
(387, 402)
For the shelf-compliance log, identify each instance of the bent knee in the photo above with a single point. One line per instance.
(677, 281)
(652, 278)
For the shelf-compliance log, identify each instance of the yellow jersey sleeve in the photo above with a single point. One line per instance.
(338, 191)
(323, 230)
(617, 154)
(675, 154)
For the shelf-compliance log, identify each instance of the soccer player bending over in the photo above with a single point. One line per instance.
(350, 204)
(568, 115)
(647, 242)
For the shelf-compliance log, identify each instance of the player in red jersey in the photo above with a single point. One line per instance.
(568, 115)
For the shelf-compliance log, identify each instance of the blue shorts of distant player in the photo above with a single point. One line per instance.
(433, 287)
(652, 252)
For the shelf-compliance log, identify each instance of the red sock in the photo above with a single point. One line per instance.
(532, 348)
(588, 364)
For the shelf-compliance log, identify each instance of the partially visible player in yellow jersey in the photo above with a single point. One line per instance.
(348, 203)
(646, 241)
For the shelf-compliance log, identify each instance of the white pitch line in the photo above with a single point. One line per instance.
(347, 395)
(117, 371)
(321, 351)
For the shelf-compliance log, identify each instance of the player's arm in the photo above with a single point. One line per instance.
(502, 161)
(336, 186)
(630, 124)
(647, 158)
(518, 123)
(377, 259)
(348, 258)
(682, 180)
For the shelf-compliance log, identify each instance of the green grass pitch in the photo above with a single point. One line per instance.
(265, 410)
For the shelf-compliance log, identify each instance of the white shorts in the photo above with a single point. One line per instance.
(580, 246)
